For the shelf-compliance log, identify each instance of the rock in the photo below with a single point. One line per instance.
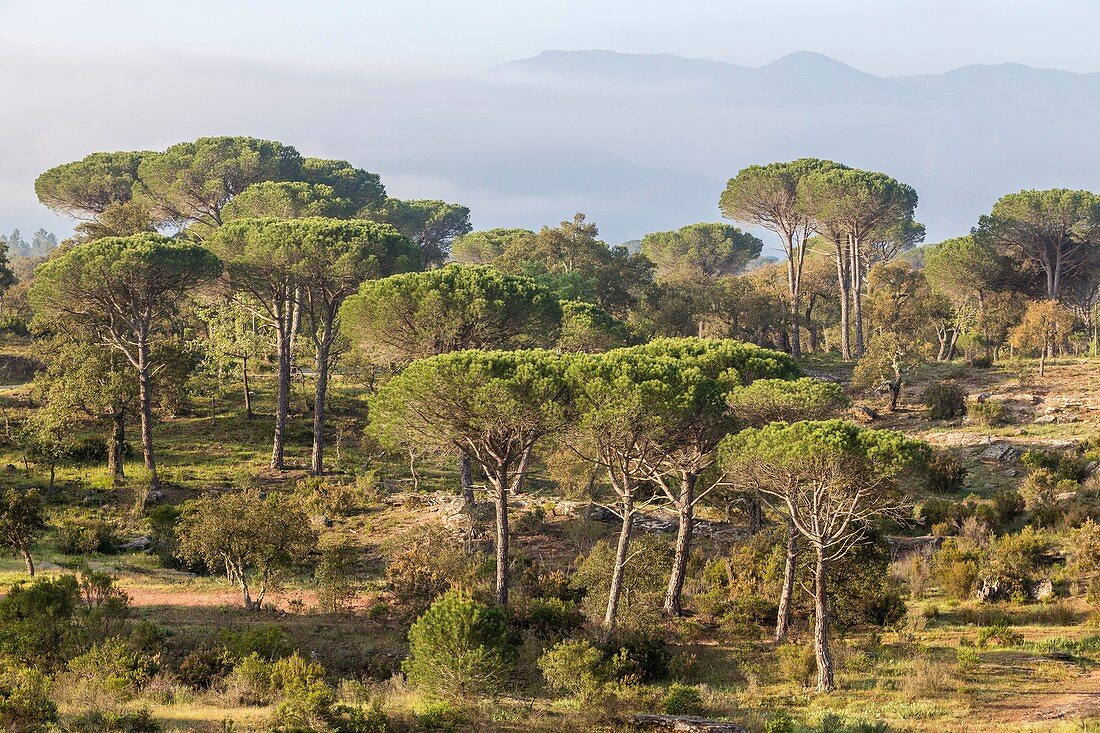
(983, 397)
(10, 468)
(1012, 473)
(991, 590)
(1042, 590)
(140, 544)
(1091, 467)
(904, 547)
(684, 723)
(154, 497)
(863, 413)
(998, 453)
(1048, 419)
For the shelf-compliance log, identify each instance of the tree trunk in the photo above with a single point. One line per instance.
(794, 275)
(821, 627)
(247, 393)
(320, 393)
(857, 297)
(521, 471)
(843, 284)
(895, 393)
(466, 478)
(685, 509)
(53, 477)
(27, 561)
(621, 555)
(1043, 362)
(790, 570)
(145, 390)
(755, 514)
(501, 487)
(116, 445)
(282, 396)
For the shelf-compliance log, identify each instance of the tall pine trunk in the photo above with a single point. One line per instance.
(317, 461)
(844, 285)
(116, 445)
(857, 296)
(500, 482)
(247, 392)
(282, 395)
(790, 570)
(685, 510)
(821, 627)
(145, 396)
(466, 478)
(621, 554)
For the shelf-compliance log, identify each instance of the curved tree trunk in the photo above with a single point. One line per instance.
(790, 569)
(621, 555)
(685, 510)
(27, 561)
(844, 285)
(821, 627)
(857, 297)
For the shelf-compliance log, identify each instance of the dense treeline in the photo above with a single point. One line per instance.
(670, 374)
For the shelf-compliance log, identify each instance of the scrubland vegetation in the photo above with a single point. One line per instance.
(284, 453)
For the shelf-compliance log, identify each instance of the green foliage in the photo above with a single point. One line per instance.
(987, 413)
(264, 641)
(250, 538)
(589, 329)
(1002, 633)
(130, 721)
(945, 473)
(25, 704)
(86, 536)
(458, 647)
(431, 224)
(200, 668)
(770, 400)
(414, 315)
(646, 576)
(1012, 563)
(21, 519)
(945, 400)
(483, 247)
(797, 663)
(637, 654)
(114, 668)
(430, 563)
(577, 667)
(955, 570)
(707, 250)
(36, 621)
(305, 699)
(335, 575)
(683, 700)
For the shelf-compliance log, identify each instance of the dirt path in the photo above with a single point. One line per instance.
(1081, 702)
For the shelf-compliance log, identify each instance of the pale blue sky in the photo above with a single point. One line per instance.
(881, 36)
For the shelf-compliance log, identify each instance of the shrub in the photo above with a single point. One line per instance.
(265, 641)
(945, 473)
(683, 700)
(1011, 565)
(86, 536)
(968, 658)
(430, 564)
(307, 701)
(25, 703)
(955, 571)
(36, 621)
(201, 667)
(548, 618)
(114, 667)
(458, 647)
(577, 667)
(639, 653)
(335, 574)
(163, 521)
(134, 721)
(797, 663)
(1000, 632)
(945, 400)
(989, 413)
(779, 722)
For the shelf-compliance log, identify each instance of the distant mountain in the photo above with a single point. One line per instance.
(963, 137)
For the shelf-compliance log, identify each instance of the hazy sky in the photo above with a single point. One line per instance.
(399, 87)
(880, 36)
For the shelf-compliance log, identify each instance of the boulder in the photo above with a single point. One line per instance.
(998, 452)
(1042, 590)
(139, 544)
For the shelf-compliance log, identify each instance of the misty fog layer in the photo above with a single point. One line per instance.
(639, 143)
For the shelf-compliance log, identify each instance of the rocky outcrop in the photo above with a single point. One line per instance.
(684, 724)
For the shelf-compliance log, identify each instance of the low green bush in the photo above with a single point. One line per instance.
(458, 647)
(683, 700)
(577, 667)
(945, 400)
(989, 413)
(87, 536)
